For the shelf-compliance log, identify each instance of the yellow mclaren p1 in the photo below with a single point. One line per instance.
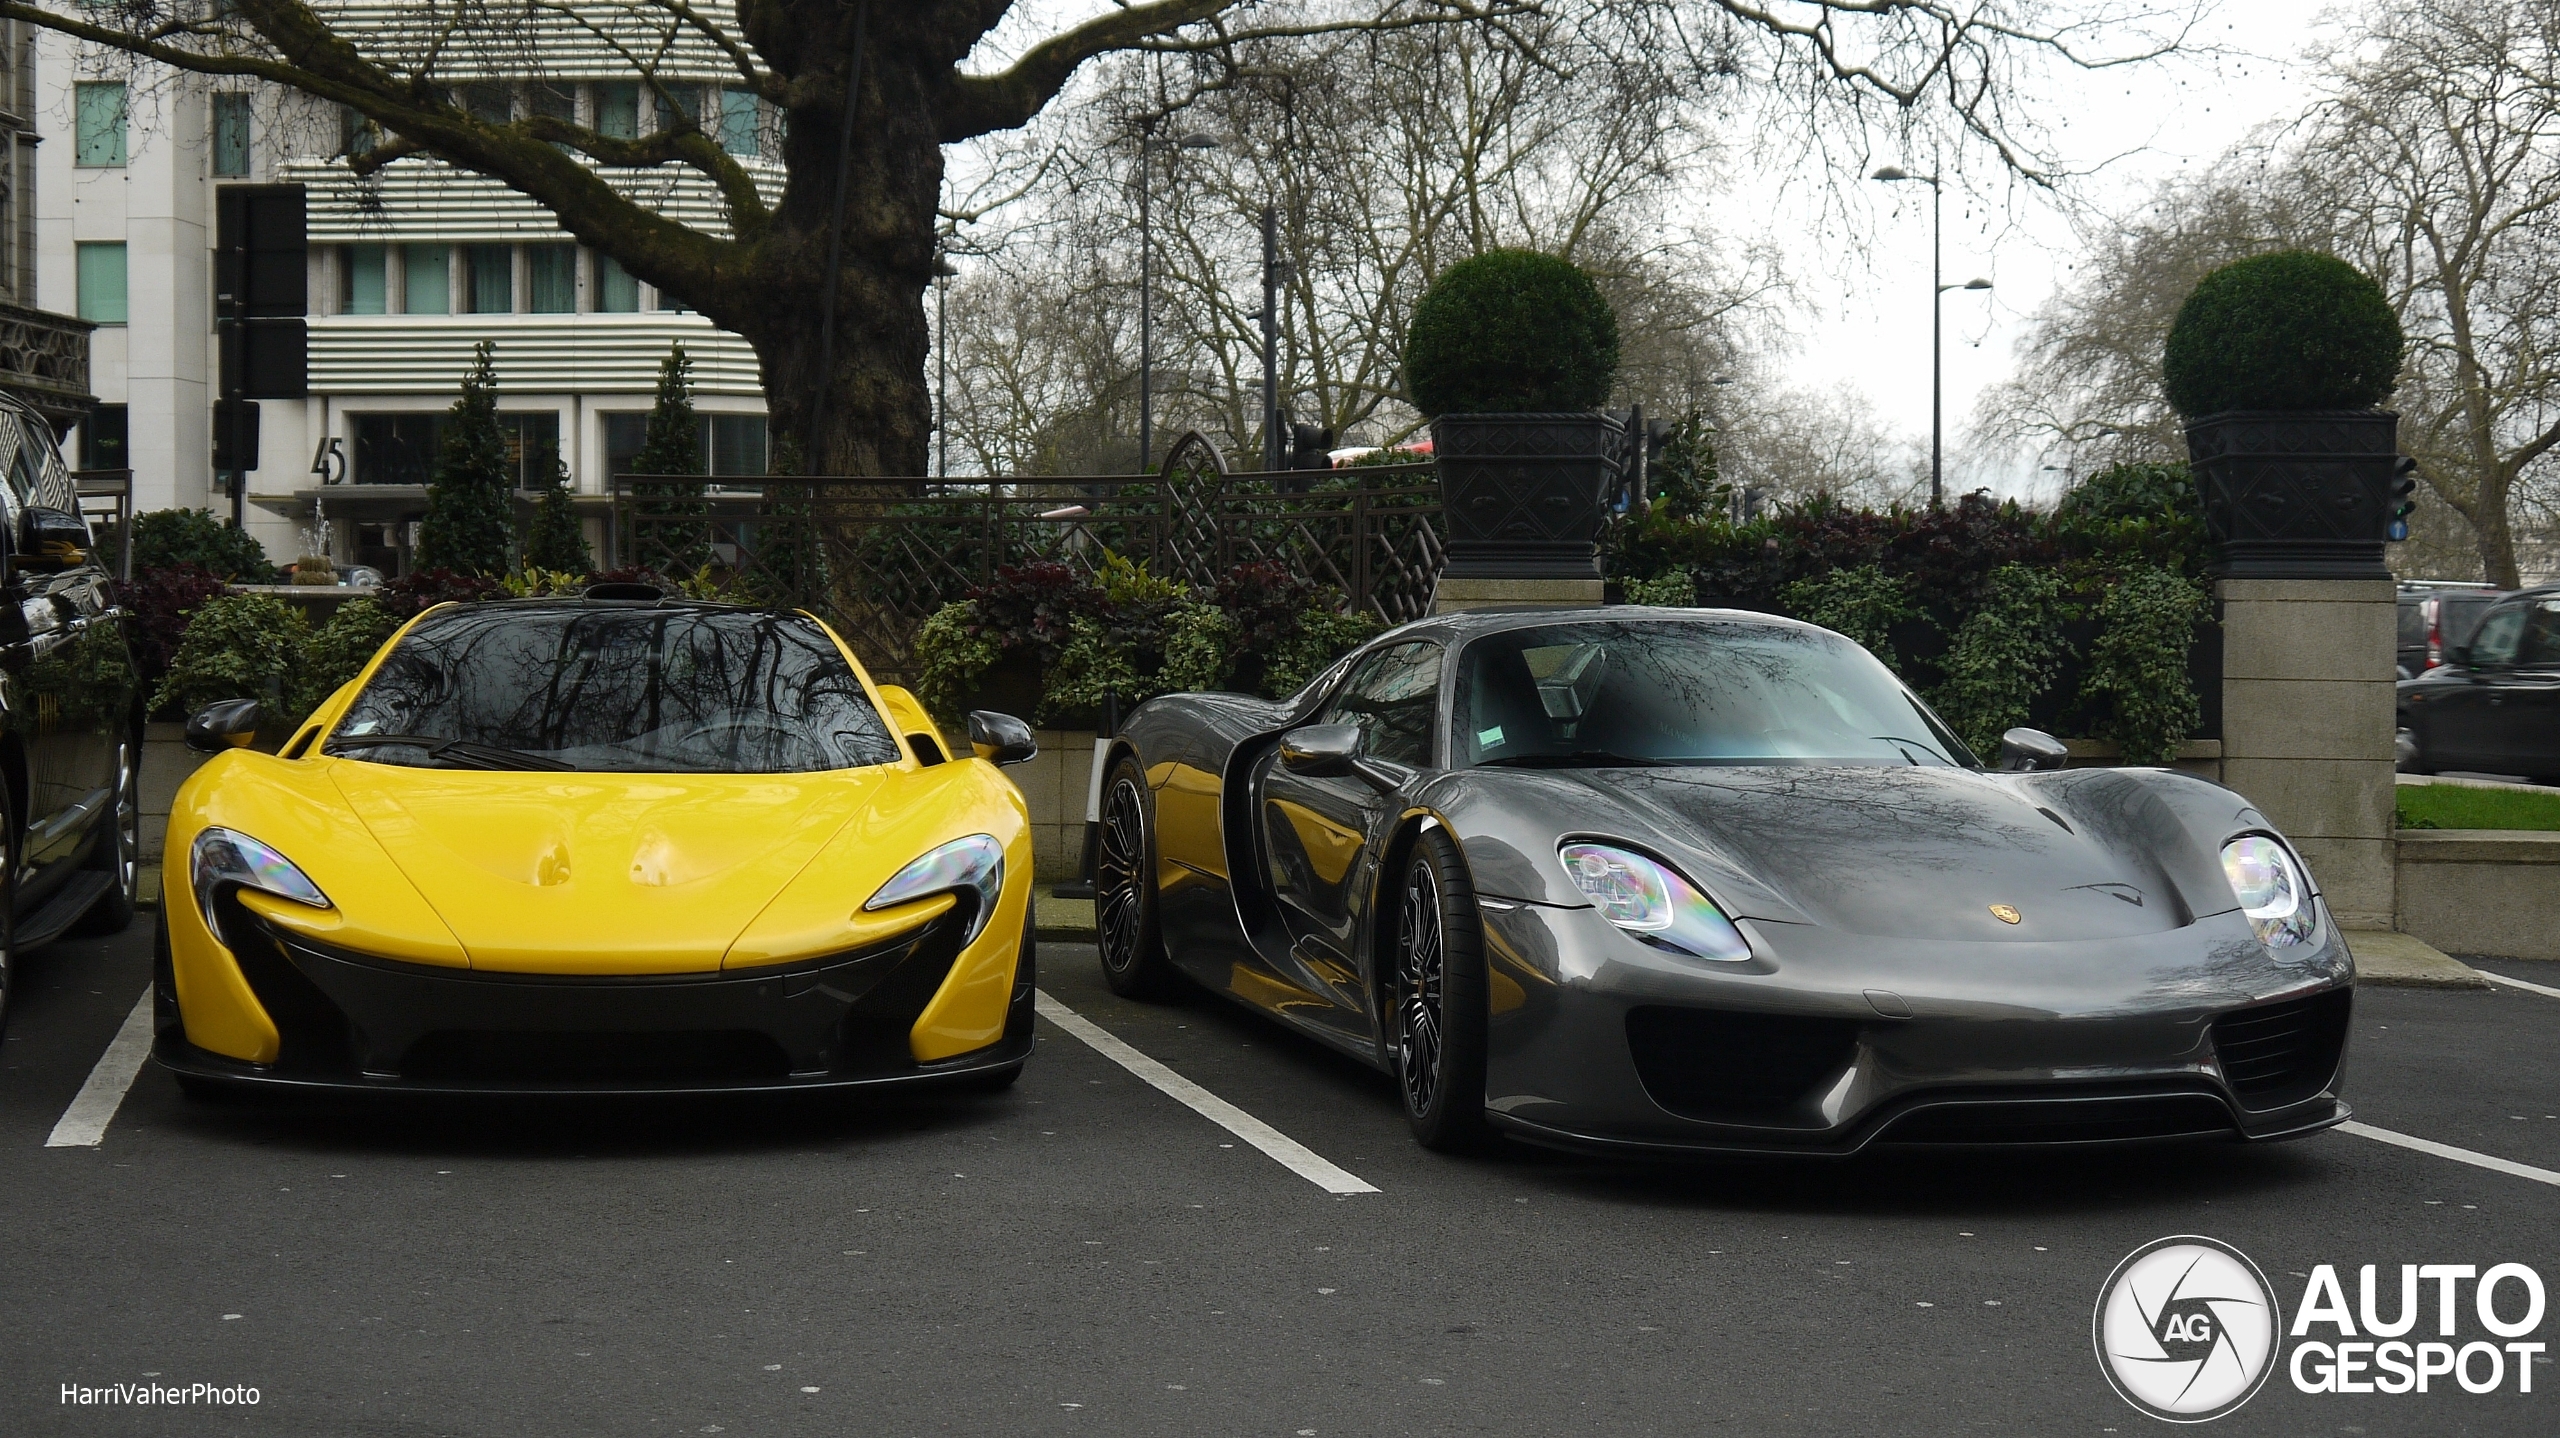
(617, 842)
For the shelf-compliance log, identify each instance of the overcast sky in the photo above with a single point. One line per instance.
(1862, 319)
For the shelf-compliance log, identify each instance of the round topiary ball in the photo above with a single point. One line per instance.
(1511, 332)
(2293, 330)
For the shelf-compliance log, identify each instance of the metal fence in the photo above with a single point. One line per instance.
(879, 556)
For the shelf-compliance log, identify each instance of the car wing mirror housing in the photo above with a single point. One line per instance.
(50, 540)
(1320, 751)
(2026, 750)
(1001, 738)
(231, 724)
(2460, 654)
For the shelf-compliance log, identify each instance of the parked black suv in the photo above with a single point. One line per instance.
(70, 711)
(2436, 617)
(2494, 705)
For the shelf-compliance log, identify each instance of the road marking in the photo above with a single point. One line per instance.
(2446, 1150)
(2542, 989)
(1283, 1150)
(84, 1124)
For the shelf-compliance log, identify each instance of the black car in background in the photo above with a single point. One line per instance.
(2434, 617)
(2493, 706)
(70, 712)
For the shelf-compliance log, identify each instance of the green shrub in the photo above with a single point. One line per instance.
(168, 538)
(2131, 491)
(2136, 680)
(1863, 603)
(1675, 590)
(2292, 330)
(952, 648)
(1321, 636)
(1511, 332)
(1199, 649)
(557, 542)
(2005, 654)
(237, 646)
(470, 522)
(338, 652)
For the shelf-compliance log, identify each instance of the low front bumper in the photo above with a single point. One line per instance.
(350, 1021)
(1830, 1043)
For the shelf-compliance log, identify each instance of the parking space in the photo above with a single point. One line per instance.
(1089, 1253)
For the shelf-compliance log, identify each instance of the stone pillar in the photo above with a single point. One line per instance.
(2307, 715)
(1454, 594)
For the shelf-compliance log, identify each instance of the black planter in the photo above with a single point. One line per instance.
(2296, 495)
(1526, 493)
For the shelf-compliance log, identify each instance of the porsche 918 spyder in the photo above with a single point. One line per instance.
(1640, 880)
(614, 842)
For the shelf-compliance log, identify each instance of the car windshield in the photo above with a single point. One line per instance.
(1687, 692)
(683, 691)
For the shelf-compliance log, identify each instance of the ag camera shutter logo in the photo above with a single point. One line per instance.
(2186, 1328)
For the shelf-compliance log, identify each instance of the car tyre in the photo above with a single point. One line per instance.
(1125, 924)
(119, 851)
(1440, 1011)
(2410, 753)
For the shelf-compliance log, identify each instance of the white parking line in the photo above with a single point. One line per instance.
(1290, 1154)
(2446, 1150)
(84, 1124)
(2543, 989)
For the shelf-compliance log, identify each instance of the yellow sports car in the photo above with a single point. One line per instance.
(617, 842)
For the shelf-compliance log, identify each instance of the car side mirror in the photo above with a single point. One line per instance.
(51, 540)
(231, 724)
(1320, 751)
(2460, 654)
(2027, 750)
(1001, 738)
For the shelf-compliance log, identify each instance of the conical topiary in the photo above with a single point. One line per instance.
(469, 525)
(557, 542)
(675, 531)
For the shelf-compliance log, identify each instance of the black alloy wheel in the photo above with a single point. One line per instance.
(119, 851)
(1124, 891)
(1440, 1012)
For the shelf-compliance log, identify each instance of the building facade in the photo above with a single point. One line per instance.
(145, 178)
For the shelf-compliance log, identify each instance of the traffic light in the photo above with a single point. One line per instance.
(2404, 497)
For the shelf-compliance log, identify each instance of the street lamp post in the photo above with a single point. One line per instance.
(943, 270)
(1938, 288)
(1148, 145)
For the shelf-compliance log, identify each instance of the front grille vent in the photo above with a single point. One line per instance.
(2113, 1119)
(2279, 1054)
(1738, 1067)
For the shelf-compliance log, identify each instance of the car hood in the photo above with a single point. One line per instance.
(602, 873)
(1921, 853)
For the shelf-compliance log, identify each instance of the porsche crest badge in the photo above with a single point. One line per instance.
(2005, 913)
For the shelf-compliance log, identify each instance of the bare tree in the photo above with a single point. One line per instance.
(827, 278)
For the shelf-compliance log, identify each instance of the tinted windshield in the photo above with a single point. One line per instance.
(1687, 692)
(616, 690)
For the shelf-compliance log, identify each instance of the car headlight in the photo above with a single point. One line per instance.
(1651, 901)
(222, 857)
(971, 865)
(2272, 889)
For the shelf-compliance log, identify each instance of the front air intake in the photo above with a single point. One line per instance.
(1737, 1067)
(2279, 1054)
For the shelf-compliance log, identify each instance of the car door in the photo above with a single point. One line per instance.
(39, 651)
(2464, 719)
(1319, 834)
(2524, 701)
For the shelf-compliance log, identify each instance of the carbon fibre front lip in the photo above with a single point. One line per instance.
(182, 1058)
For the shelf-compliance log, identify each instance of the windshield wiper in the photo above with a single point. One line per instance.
(469, 753)
(1578, 759)
(1914, 743)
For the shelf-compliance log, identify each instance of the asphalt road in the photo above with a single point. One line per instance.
(1084, 1255)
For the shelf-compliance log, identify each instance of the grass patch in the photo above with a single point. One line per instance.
(2451, 806)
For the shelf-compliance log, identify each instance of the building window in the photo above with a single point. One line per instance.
(618, 110)
(679, 106)
(551, 279)
(554, 102)
(617, 292)
(102, 282)
(397, 448)
(231, 135)
(98, 124)
(533, 445)
(426, 286)
(490, 103)
(734, 443)
(102, 439)
(362, 275)
(738, 115)
(624, 436)
(356, 134)
(493, 279)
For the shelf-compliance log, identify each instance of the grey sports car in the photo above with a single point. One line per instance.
(1645, 880)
